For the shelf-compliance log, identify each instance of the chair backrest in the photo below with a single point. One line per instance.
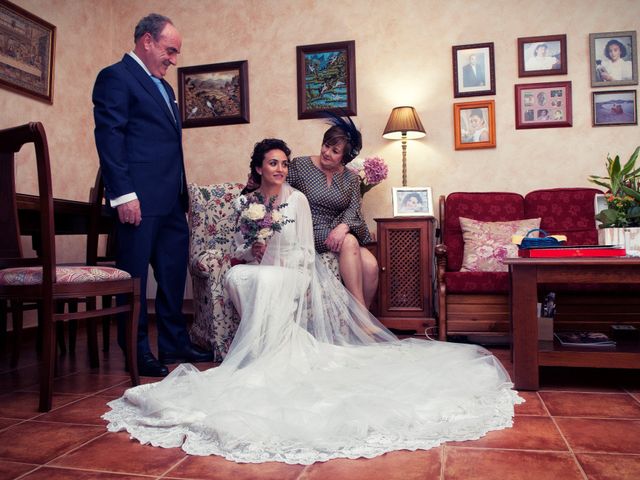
(11, 141)
(482, 206)
(96, 202)
(212, 218)
(565, 211)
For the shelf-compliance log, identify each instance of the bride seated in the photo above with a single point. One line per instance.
(311, 375)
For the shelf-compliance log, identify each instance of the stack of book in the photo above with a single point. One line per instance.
(584, 339)
(573, 251)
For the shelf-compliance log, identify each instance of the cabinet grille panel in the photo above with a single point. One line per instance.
(404, 268)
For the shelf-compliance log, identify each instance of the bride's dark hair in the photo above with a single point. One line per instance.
(259, 151)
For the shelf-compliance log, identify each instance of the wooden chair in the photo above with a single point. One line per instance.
(40, 279)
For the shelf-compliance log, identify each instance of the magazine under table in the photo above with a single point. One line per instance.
(527, 352)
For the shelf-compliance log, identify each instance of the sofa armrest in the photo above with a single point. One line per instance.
(441, 267)
(205, 262)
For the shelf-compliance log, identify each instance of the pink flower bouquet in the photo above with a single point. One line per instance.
(372, 171)
(258, 219)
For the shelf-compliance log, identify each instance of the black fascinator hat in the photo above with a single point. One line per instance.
(350, 134)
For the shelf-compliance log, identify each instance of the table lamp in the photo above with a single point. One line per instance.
(403, 124)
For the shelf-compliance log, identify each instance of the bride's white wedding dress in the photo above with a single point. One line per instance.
(312, 376)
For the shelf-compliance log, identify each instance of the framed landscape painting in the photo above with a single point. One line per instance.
(473, 70)
(614, 59)
(215, 94)
(474, 125)
(27, 50)
(543, 105)
(326, 79)
(545, 55)
(617, 107)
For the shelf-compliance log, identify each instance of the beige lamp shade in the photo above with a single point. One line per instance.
(403, 121)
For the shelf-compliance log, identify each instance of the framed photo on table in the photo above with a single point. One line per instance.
(326, 79)
(546, 55)
(617, 107)
(214, 94)
(474, 125)
(543, 105)
(473, 70)
(614, 59)
(27, 51)
(412, 202)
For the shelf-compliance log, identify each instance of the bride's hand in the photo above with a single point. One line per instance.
(257, 250)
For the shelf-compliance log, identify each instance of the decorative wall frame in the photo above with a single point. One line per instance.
(412, 202)
(546, 55)
(474, 125)
(326, 79)
(27, 52)
(608, 71)
(614, 107)
(214, 94)
(473, 70)
(543, 105)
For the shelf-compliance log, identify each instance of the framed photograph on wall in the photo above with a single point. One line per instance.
(546, 55)
(214, 94)
(614, 59)
(474, 125)
(617, 107)
(326, 79)
(27, 51)
(543, 105)
(473, 70)
(412, 202)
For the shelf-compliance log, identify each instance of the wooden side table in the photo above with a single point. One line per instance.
(405, 255)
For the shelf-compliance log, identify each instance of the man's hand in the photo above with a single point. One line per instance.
(130, 212)
(336, 237)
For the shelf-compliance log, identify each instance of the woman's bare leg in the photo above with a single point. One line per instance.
(370, 273)
(350, 261)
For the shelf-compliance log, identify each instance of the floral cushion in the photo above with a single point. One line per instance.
(487, 244)
(33, 275)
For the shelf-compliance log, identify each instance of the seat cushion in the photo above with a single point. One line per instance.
(33, 275)
(476, 282)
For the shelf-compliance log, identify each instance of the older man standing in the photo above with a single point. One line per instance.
(139, 140)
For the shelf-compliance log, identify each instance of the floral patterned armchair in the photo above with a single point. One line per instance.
(212, 222)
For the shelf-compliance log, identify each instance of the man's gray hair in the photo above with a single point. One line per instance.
(153, 23)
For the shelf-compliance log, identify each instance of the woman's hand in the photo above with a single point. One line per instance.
(257, 250)
(336, 237)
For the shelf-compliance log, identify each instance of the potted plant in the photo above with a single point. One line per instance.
(622, 195)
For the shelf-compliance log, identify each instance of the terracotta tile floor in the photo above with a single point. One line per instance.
(582, 424)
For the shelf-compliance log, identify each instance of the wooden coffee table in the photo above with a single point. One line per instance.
(527, 352)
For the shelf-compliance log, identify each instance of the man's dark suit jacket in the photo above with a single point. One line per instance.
(139, 142)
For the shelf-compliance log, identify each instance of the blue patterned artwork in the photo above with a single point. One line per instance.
(326, 80)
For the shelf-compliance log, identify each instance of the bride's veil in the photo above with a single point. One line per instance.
(304, 292)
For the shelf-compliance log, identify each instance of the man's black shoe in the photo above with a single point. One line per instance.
(189, 354)
(149, 366)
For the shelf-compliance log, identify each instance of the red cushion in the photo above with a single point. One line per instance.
(565, 211)
(64, 274)
(483, 206)
(476, 282)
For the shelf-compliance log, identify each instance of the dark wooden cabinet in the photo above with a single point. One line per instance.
(405, 255)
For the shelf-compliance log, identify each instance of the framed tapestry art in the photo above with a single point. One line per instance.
(215, 94)
(614, 59)
(474, 125)
(473, 70)
(326, 79)
(545, 55)
(543, 105)
(617, 107)
(27, 48)
(412, 202)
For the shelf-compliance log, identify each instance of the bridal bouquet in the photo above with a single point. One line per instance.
(259, 220)
(371, 171)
